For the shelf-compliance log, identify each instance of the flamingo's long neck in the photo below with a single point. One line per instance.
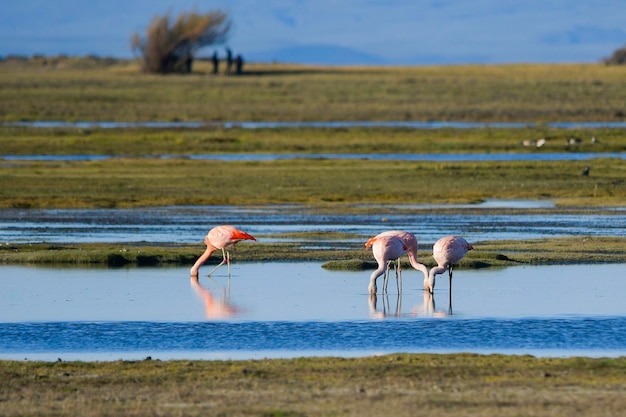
(207, 253)
(378, 272)
(429, 283)
(418, 266)
(439, 269)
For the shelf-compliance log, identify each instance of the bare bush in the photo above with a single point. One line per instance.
(169, 46)
(618, 57)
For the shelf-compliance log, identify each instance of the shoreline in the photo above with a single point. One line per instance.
(494, 253)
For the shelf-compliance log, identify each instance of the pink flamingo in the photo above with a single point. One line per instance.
(385, 249)
(220, 237)
(410, 242)
(447, 251)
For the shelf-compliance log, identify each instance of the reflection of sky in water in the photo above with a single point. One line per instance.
(300, 309)
(303, 291)
(190, 224)
(336, 124)
(461, 157)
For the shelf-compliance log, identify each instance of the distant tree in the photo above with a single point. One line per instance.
(618, 57)
(169, 46)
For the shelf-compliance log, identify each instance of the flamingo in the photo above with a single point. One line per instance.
(410, 242)
(447, 251)
(385, 249)
(220, 237)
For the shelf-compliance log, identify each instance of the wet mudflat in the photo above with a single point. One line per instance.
(299, 309)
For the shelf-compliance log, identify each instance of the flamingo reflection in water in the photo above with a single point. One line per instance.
(427, 309)
(409, 247)
(215, 308)
(375, 313)
(220, 237)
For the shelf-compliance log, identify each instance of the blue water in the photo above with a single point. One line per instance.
(274, 223)
(566, 336)
(312, 124)
(470, 157)
(297, 309)
(538, 156)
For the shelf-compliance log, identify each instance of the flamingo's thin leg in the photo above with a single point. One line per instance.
(221, 263)
(227, 257)
(450, 291)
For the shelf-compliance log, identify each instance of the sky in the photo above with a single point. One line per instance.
(340, 32)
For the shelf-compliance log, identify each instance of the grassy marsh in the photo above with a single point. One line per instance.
(88, 89)
(398, 385)
(150, 142)
(349, 257)
(129, 182)
(66, 90)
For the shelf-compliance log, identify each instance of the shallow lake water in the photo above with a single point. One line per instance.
(300, 309)
(434, 125)
(465, 157)
(415, 124)
(487, 221)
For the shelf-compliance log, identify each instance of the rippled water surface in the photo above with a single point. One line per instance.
(268, 223)
(300, 309)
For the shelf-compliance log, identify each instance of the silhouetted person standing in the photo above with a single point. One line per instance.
(216, 62)
(239, 64)
(229, 60)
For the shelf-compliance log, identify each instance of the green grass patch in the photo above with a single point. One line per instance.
(118, 91)
(398, 385)
(216, 140)
(154, 182)
(571, 250)
(95, 254)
